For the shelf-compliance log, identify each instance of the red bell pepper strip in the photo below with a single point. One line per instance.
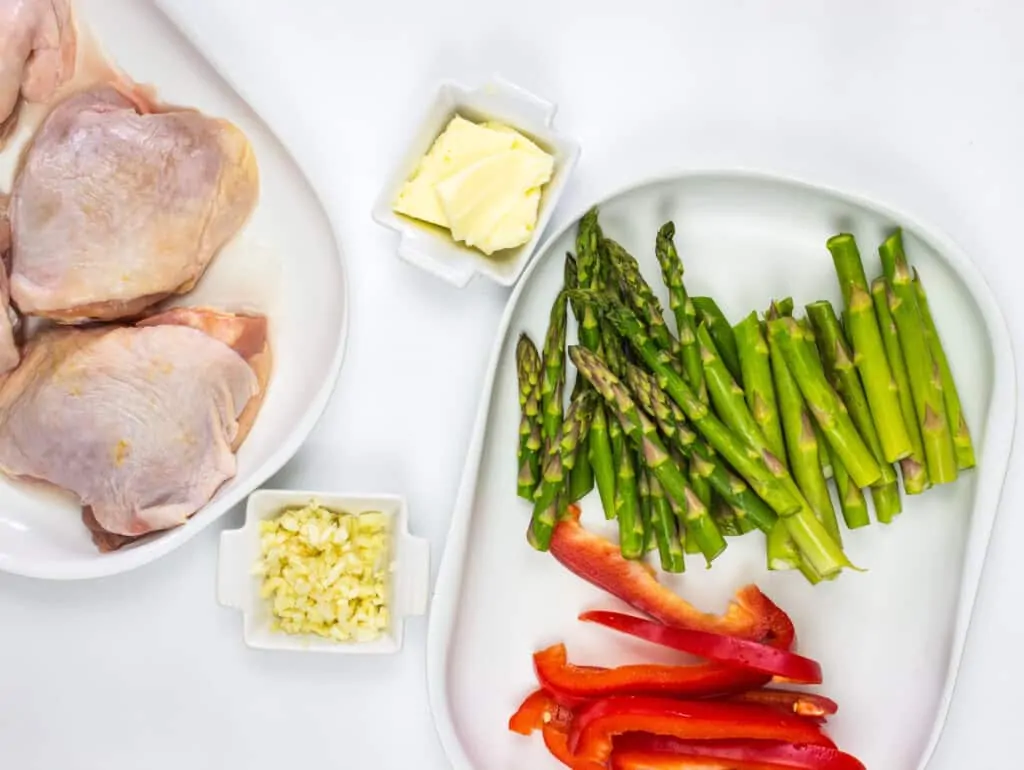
(776, 753)
(556, 739)
(641, 761)
(723, 649)
(571, 684)
(538, 710)
(596, 725)
(751, 615)
(804, 704)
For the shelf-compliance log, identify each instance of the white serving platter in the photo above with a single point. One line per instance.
(285, 263)
(889, 640)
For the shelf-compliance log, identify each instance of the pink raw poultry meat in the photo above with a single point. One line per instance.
(140, 422)
(37, 53)
(8, 346)
(116, 207)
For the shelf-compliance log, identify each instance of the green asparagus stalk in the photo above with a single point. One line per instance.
(772, 484)
(553, 382)
(588, 272)
(550, 500)
(802, 443)
(913, 466)
(824, 455)
(628, 510)
(837, 360)
(639, 295)
(682, 308)
(575, 430)
(954, 410)
(725, 518)
(822, 400)
(644, 494)
(528, 368)
(581, 479)
(703, 463)
(923, 371)
(869, 350)
(710, 314)
(666, 530)
(851, 497)
(783, 554)
(571, 283)
(602, 460)
(757, 380)
(689, 542)
(702, 528)
(644, 436)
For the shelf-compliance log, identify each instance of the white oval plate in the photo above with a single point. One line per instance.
(890, 640)
(285, 264)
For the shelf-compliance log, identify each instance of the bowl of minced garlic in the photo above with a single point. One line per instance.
(324, 572)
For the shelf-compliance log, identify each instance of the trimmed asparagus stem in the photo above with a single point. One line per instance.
(782, 553)
(841, 372)
(702, 528)
(708, 312)
(666, 530)
(550, 499)
(528, 369)
(644, 492)
(802, 443)
(644, 436)
(682, 308)
(553, 382)
(954, 410)
(869, 350)
(703, 463)
(725, 518)
(726, 394)
(923, 371)
(757, 380)
(575, 431)
(679, 511)
(824, 455)
(779, 491)
(913, 466)
(851, 497)
(602, 460)
(802, 362)
(628, 510)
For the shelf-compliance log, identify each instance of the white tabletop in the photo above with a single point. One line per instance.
(913, 103)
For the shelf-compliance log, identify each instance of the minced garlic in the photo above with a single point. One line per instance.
(326, 572)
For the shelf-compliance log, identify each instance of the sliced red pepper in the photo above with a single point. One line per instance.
(751, 615)
(571, 684)
(717, 647)
(643, 761)
(777, 753)
(804, 704)
(556, 739)
(596, 725)
(538, 710)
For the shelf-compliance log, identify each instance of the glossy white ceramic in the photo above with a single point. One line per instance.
(890, 640)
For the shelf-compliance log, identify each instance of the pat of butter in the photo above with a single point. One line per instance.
(492, 205)
(482, 182)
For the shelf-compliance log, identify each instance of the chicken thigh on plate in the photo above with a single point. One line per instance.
(38, 45)
(117, 207)
(140, 422)
(8, 345)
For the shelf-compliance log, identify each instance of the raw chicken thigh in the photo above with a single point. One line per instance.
(140, 422)
(37, 53)
(8, 346)
(116, 208)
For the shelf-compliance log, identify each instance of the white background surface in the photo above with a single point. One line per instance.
(917, 104)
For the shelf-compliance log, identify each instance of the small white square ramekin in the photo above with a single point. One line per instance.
(239, 588)
(432, 248)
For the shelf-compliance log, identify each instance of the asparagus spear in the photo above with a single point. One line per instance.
(628, 511)
(757, 378)
(841, 373)
(553, 382)
(588, 241)
(725, 518)
(869, 351)
(802, 442)
(954, 411)
(602, 460)
(704, 464)
(528, 368)
(922, 370)
(709, 313)
(783, 554)
(726, 395)
(639, 295)
(679, 511)
(826, 406)
(666, 530)
(772, 484)
(575, 429)
(913, 466)
(682, 308)
(644, 436)
(851, 497)
(644, 494)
